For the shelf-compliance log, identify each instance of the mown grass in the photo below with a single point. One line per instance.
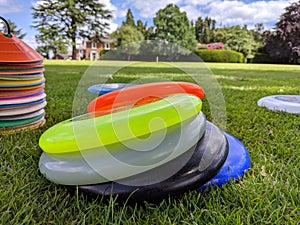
(268, 193)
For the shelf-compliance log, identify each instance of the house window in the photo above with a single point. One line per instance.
(106, 46)
(94, 45)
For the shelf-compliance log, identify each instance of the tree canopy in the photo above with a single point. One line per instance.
(238, 39)
(71, 19)
(129, 19)
(173, 26)
(50, 41)
(284, 43)
(130, 38)
(204, 30)
(132, 31)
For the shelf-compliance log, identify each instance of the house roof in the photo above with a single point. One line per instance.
(63, 56)
(101, 39)
(107, 40)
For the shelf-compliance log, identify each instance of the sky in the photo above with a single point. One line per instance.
(225, 12)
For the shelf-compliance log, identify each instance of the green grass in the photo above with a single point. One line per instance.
(267, 194)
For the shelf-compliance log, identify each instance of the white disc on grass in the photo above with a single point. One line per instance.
(286, 103)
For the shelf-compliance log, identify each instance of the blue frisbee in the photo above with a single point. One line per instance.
(237, 162)
(102, 89)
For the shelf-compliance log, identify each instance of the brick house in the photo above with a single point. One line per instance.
(91, 49)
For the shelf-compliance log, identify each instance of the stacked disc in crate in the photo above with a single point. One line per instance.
(22, 97)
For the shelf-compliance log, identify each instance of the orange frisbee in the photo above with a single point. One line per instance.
(22, 72)
(133, 96)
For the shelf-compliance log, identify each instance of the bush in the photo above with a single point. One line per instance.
(226, 56)
(265, 58)
(102, 52)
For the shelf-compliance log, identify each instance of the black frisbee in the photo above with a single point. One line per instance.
(206, 159)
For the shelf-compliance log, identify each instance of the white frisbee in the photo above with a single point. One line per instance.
(23, 110)
(7, 102)
(286, 103)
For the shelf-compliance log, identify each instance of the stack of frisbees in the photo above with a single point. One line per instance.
(144, 142)
(22, 97)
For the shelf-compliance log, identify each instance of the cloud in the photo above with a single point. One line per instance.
(238, 12)
(108, 5)
(192, 12)
(39, 3)
(223, 11)
(31, 41)
(10, 6)
(2, 27)
(116, 12)
(112, 27)
(196, 2)
(227, 12)
(147, 9)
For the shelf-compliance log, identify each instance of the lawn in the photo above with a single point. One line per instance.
(267, 194)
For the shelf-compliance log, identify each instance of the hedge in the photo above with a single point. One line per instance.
(226, 56)
(265, 58)
(102, 52)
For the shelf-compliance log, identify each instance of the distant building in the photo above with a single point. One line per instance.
(92, 49)
(60, 56)
(89, 49)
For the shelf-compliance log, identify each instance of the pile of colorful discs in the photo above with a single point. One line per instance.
(145, 142)
(22, 97)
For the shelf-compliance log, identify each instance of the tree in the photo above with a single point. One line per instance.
(258, 34)
(49, 40)
(44, 51)
(199, 28)
(129, 19)
(150, 34)
(13, 29)
(284, 43)
(173, 26)
(130, 32)
(205, 29)
(71, 19)
(141, 27)
(147, 32)
(130, 37)
(237, 38)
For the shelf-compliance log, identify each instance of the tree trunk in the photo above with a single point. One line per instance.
(73, 37)
(73, 47)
